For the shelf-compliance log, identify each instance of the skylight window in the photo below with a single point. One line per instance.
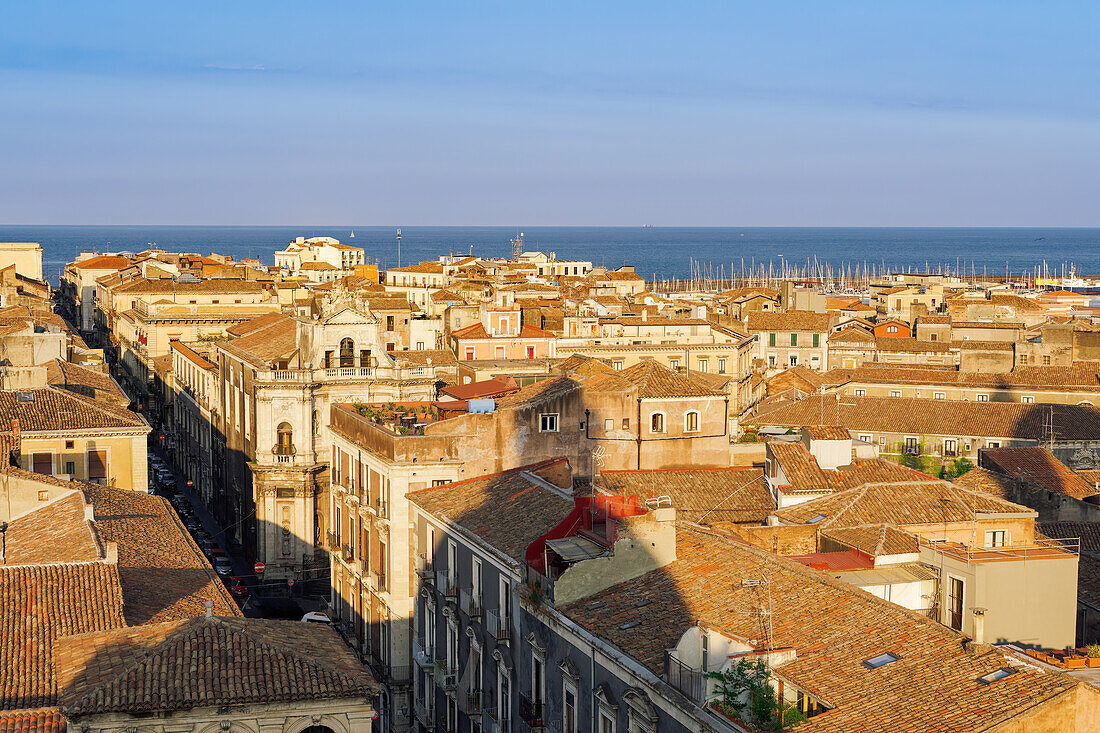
(815, 519)
(881, 660)
(997, 674)
(629, 625)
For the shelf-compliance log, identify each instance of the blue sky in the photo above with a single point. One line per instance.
(687, 113)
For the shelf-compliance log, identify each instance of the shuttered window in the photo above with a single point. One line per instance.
(43, 463)
(97, 464)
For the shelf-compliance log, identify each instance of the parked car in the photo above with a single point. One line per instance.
(222, 566)
(316, 617)
(237, 586)
(209, 546)
(192, 524)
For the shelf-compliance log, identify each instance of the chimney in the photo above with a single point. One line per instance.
(979, 625)
(210, 609)
(645, 314)
(111, 553)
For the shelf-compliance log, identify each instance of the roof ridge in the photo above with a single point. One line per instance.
(859, 493)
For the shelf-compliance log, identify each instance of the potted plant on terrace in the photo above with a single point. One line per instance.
(1073, 661)
(1092, 658)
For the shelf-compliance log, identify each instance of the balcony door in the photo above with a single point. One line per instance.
(955, 603)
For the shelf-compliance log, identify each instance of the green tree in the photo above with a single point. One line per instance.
(744, 691)
(956, 468)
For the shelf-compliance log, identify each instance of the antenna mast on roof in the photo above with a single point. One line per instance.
(399, 248)
(517, 246)
(765, 613)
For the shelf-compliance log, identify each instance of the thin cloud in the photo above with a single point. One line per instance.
(224, 67)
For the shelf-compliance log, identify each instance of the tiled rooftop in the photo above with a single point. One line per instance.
(899, 504)
(479, 504)
(90, 382)
(205, 662)
(875, 539)
(57, 409)
(276, 339)
(38, 604)
(826, 432)
(979, 479)
(787, 321)
(916, 416)
(56, 532)
(705, 495)
(933, 687)
(1038, 466)
(164, 575)
(653, 381)
(42, 720)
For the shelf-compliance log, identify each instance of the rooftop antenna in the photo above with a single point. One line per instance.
(765, 613)
(399, 248)
(517, 246)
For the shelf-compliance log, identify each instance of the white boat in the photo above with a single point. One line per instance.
(352, 236)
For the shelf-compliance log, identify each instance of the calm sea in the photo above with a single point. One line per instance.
(664, 252)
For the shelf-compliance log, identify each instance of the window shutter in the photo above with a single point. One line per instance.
(97, 464)
(43, 463)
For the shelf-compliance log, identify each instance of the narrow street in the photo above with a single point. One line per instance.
(263, 600)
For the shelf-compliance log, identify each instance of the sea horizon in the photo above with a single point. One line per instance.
(656, 252)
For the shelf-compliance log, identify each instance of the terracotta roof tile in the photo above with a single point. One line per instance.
(1083, 374)
(437, 357)
(833, 628)
(915, 416)
(799, 466)
(1038, 466)
(103, 262)
(56, 532)
(39, 603)
(89, 382)
(277, 338)
(57, 409)
(541, 391)
(826, 432)
(164, 575)
(702, 495)
(655, 381)
(153, 667)
(787, 321)
(899, 504)
(979, 479)
(214, 285)
(875, 539)
(43, 720)
(478, 504)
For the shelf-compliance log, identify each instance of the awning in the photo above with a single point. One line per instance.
(575, 548)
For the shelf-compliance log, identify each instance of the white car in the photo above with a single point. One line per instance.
(316, 617)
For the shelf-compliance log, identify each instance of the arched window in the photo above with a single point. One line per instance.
(691, 421)
(284, 444)
(657, 422)
(347, 353)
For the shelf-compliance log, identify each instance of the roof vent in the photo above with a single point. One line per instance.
(24, 396)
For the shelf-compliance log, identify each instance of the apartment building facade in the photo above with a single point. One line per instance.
(278, 378)
(790, 338)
